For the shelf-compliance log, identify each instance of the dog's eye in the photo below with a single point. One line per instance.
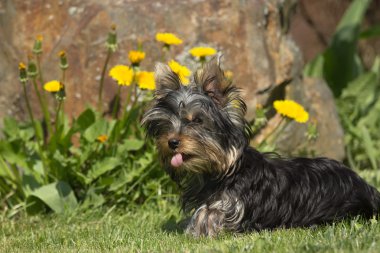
(197, 120)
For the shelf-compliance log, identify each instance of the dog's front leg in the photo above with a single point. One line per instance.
(206, 221)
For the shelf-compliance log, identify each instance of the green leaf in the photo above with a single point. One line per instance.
(95, 130)
(356, 87)
(93, 199)
(29, 183)
(145, 161)
(5, 170)
(102, 167)
(315, 67)
(130, 145)
(125, 177)
(364, 91)
(369, 146)
(57, 196)
(341, 63)
(85, 119)
(12, 156)
(353, 16)
(11, 127)
(26, 133)
(371, 32)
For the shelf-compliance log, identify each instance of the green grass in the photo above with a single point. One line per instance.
(154, 228)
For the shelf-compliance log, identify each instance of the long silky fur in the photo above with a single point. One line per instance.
(243, 189)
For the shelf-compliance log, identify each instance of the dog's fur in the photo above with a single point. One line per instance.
(203, 143)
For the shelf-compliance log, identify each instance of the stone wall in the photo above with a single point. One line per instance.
(250, 33)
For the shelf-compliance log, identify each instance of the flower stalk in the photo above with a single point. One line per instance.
(111, 46)
(24, 80)
(116, 103)
(60, 102)
(32, 73)
(167, 39)
(60, 96)
(37, 51)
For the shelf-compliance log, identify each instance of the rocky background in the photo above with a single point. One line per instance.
(255, 37)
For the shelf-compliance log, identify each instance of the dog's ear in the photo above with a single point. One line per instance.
(213, 82)
(166, 79)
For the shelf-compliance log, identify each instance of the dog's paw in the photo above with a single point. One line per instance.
(205, 222)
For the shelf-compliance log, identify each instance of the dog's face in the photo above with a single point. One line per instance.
(198, 128)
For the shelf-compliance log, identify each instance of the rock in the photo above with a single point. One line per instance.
(319, 102)
(249, 33)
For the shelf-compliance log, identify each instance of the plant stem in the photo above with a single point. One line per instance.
(40, 76)
(116, 103)
(44, 108)
(63, 76)
(165, 50)
(39, 69)
(57, 115)
(29, 109)
(39, 138)
(135, 95)
(128, 101)
(272, 136)
(202, 60)
(100, 105)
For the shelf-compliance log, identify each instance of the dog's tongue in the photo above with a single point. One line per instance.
(176, 160)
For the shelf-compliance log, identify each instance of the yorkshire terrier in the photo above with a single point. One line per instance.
(203, 138)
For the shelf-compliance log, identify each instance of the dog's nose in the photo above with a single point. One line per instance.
(173, 143)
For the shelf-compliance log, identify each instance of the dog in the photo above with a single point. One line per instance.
(202, 140)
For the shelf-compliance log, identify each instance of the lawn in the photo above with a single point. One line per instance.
(157, 228)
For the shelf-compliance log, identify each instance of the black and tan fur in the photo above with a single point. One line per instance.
(231, 186)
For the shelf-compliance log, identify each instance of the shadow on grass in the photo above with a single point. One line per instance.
(172, 226)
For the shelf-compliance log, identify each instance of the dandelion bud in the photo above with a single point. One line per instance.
(61, 94)
(260, 117)
(32, 68)
(22, 72)
(63, 64)
(111, 43)
(312, 131)
(37, 48)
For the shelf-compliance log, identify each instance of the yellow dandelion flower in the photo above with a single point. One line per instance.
(292, 110)
(53, 86)
(168, 38)
(102, 138)
(202, 51)
(145, 80)
(122, 74)
(136, 56)
(182, 71)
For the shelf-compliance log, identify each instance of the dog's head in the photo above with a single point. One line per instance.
(199, 127)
